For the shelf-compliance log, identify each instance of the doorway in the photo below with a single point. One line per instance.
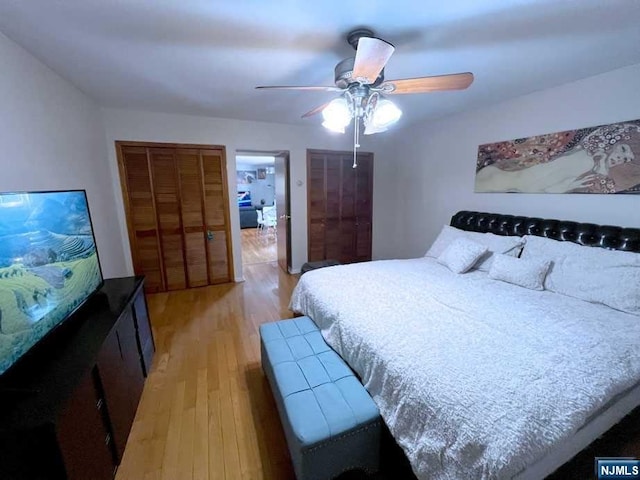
(262, 184)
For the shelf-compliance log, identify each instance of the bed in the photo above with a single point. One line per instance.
(478, 378)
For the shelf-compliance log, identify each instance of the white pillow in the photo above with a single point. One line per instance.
(495, 244)
(461, 255)
(593, 274)
(527, 273)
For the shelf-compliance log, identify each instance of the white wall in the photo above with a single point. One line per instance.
(52, 138)
(437, 173)
(243, 135)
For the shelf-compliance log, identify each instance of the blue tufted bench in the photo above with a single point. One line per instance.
(330, 421)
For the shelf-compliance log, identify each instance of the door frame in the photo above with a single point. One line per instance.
(119, 144)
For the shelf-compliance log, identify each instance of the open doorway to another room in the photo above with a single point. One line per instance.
(256, 191)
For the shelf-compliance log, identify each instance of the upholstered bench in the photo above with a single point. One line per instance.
(330, 421)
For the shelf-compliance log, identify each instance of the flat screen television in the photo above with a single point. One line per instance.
(48, 266)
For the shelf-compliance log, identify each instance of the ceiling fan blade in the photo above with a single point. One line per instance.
(456, 81)
(371, 57)
(316, 110)
(310, 88)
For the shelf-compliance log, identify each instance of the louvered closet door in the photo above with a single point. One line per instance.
(316, 206)
(364, 208)
(339, 206)
(216, 215)
(347, 210)
(139, 202)
(332, 234)
(192, 195)
(165, 186)
(177, 213)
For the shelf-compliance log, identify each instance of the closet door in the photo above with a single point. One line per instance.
(216, 214)
(177, 214)
(167, 198)
(339, 206)
(193, 224)
(139, 201)
(316, 206)
(332, 233)
(364, 208)
(348, 220)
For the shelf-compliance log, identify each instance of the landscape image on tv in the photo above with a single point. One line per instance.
(48, 266)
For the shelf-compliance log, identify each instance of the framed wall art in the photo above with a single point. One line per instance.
(603, 159)
(244, 177)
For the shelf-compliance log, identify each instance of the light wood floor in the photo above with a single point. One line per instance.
(258, 246)
(206, 411)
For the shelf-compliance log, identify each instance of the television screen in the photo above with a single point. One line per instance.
(48, 266)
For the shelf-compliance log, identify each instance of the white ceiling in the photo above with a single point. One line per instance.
(204, 57)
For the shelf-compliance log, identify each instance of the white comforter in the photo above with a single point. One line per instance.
(475, 378)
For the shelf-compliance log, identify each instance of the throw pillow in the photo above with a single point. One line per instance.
(461, 255)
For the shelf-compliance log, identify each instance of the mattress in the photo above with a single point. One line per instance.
(476, 378)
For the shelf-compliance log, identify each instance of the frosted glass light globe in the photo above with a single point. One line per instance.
(336, 115)
(385, 114)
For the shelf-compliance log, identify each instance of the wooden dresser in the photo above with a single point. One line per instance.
(66, 409)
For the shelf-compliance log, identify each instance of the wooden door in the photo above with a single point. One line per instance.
(216, 199)
(167, 200)
(283, 207)
(177, 209)
(316, 205)
(348, 221)
(364, 208)
(339, 206)
(139, 200)
(332, 240)
(192, 196)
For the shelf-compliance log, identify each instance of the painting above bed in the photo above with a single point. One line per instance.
(602, 159)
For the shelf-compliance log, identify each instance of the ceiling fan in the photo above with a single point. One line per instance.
(362, 85)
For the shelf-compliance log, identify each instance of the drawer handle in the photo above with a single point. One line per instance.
(99, 404)
(107, 439)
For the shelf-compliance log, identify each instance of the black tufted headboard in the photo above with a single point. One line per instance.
(604, 236)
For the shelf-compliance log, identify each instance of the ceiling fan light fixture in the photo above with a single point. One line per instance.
(370, 129)
(337, 115)
(385, 115)
(361, 81)
(332, 127)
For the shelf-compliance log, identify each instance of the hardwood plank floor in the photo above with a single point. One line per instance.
(207, 411)
(258, 246)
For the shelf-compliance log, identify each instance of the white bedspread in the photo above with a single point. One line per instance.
(475, 378)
